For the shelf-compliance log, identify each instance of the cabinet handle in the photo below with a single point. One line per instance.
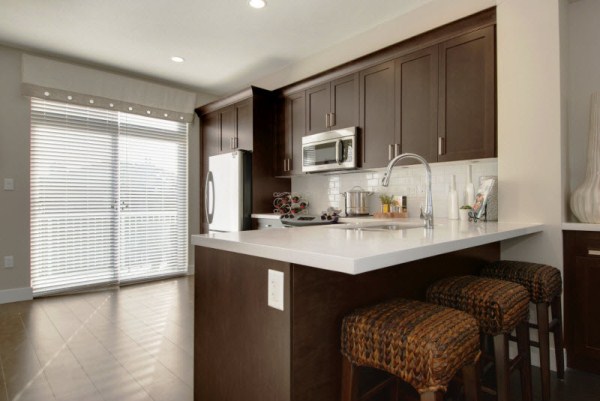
(327, 120)
(440, 146)
(331, 119)
(235, 142)
(285, 165)
(396, 149)
(231, 143)
(390, 151)
(593, 252)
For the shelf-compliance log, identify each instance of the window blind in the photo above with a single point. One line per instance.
(108, 197)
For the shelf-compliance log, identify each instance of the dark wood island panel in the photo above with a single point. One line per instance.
(245, 350)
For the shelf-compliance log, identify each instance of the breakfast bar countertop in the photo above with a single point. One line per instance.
(360, 247)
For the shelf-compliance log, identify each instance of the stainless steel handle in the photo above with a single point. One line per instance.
(338, 149)
(593, 252)
(440, 146)
(396, 149)
(327, 120)
(287, 164)
(209, 214)
(235, 142)
(331, 119)
(390, 151)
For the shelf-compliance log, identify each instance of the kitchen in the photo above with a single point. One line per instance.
(526, 118)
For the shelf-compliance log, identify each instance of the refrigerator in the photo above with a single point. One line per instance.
(228, 192)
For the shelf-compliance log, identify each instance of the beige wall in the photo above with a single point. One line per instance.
(14, 163)
(530, 125)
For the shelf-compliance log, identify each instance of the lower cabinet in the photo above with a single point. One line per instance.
(582, 299)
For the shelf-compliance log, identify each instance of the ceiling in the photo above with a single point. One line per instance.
(225, 43)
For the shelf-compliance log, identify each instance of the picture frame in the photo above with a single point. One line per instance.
(481, 199)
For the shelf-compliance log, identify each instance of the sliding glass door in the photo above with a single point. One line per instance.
(108, 197)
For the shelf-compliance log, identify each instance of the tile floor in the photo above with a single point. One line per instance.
(133, 343)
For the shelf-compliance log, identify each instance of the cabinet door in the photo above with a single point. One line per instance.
(582, 303)
(416, 104)
(317, 108)
(295, 128)
(244, 128)
(377, 114)
(228, 127)
(344, 102)
(466, 123)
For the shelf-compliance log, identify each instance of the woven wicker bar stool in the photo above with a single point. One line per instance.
(423, 344)
(544, 284)
(499, 307)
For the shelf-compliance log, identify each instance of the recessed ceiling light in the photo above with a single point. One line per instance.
(177, 59)
(257, 3)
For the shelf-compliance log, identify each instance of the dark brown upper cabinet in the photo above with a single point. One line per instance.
(245, 120)
(229, 128)
(467, 98)
(377, 134)
(289, 161)
(332, 105)
(416, 104)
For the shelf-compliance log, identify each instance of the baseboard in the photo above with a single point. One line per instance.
(16, 295)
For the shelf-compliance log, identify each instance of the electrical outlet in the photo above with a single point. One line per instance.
(275, 289)
(9, 262)
(9, 184)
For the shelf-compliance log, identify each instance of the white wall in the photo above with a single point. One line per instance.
(584, 79)
(14, 163)
(530, 120)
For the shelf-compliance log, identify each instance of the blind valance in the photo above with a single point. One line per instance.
(54, 80)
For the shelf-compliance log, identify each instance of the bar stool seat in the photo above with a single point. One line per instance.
(544, 284)
(499, 307)
(423, 344)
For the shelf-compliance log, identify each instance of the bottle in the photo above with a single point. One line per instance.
(453, 200)
(469, 189)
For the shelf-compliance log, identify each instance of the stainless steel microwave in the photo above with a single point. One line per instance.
(328, 151)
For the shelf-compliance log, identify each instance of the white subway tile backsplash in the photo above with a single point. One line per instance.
(325, 190)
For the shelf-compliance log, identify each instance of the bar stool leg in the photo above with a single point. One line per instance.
(524, 353)
(501, 359)
(432, 396)
(556, 308)
(472, 382)
(349, 381)
(544, 340)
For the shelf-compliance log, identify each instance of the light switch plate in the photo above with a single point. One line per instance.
(9, 184)
(275, 288)
(9, 262)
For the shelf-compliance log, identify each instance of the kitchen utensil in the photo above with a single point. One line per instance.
(356, 201)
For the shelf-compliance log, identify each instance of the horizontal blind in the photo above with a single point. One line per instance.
(153, 193)
(73, 188)
(108, 197)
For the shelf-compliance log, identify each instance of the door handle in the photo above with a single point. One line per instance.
(209, 182)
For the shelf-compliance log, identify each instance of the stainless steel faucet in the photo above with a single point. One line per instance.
(427, 214)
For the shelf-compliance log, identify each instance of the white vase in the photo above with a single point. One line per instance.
(585, 200)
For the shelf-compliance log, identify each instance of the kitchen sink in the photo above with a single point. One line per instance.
(379, 227)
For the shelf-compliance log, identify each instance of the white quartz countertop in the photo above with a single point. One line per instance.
(352, 249)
